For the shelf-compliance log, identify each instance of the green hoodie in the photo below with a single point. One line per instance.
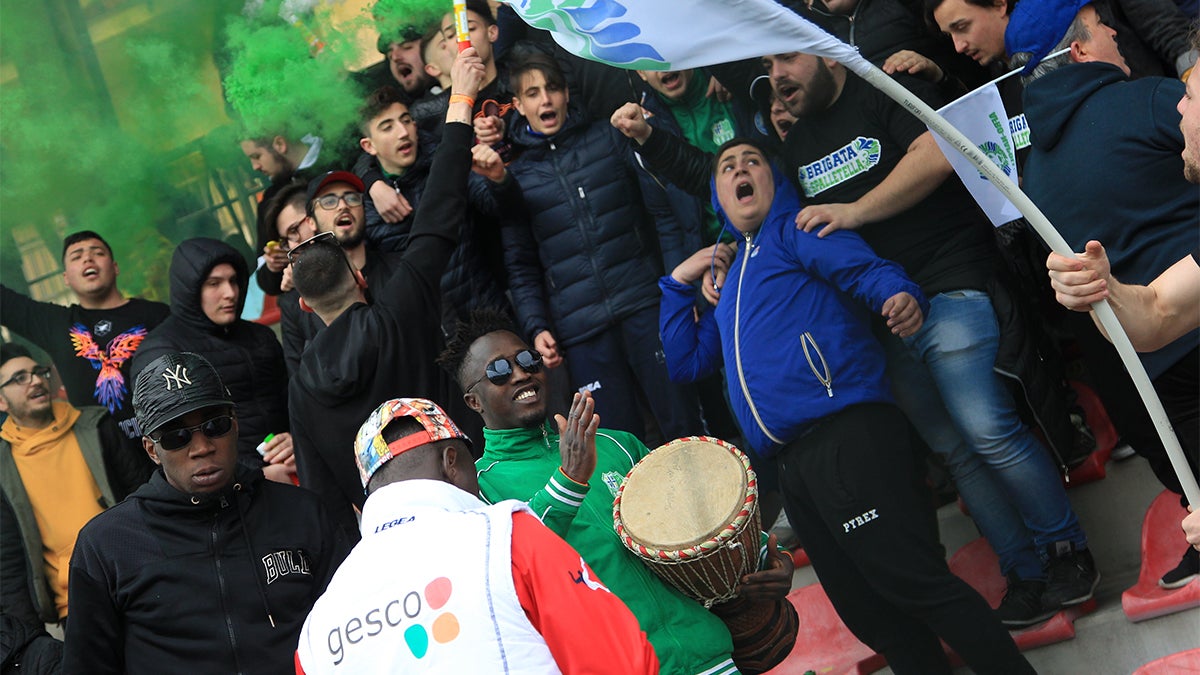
(525, 464)
(705, 123)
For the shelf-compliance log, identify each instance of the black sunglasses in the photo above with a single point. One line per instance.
(178, 438)
(499, 371)
(295, 250)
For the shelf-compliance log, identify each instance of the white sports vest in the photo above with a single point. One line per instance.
(429, 589)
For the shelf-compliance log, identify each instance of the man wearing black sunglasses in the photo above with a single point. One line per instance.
(208, 563)
(59, 467)
(568, 470)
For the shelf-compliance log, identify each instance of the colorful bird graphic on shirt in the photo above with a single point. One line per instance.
(110, 383)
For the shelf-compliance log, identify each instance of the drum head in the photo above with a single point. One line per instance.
(682, 494)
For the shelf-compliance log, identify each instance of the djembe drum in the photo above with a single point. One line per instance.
(689, 510)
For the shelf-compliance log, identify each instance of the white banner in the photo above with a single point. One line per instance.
(679, 34)
(980, 116)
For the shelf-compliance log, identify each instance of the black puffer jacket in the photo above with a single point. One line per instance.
(246, 355)
(165, 582)
(580, 246)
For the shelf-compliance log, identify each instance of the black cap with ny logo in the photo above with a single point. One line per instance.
(174, 385)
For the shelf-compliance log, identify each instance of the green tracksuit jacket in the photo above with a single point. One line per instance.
(525, 464)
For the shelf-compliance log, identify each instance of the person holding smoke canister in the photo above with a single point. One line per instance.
(368, 352)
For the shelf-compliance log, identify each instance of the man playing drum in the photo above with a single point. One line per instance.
(806, 381)
(569, 473)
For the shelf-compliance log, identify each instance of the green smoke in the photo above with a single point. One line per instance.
(87, 135)
(278, 85)
(113, 119)
(394, 17)
(123, 117)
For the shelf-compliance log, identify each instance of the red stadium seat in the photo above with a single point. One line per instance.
(1162, 544)
(1183, 663)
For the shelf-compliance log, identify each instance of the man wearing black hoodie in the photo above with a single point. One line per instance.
(206, 567)
(1138, 201)
(370, 353)
(208, 291)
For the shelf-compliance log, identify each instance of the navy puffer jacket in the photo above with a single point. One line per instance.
(580, 246)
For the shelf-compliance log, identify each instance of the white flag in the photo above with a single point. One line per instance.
(680, 34)
(980, 116)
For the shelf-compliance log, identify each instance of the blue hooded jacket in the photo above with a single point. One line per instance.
(792, 328)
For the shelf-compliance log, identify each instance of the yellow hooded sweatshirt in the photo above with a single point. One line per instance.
(61, 489)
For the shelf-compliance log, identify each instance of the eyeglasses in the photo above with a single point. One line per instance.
(323, 236)
(178, 438)
(330, 202)
(24, 376)
(499, 371)
(291, 235)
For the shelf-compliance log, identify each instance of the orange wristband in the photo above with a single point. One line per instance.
(462, 98)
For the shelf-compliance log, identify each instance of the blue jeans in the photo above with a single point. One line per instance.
(943, 380)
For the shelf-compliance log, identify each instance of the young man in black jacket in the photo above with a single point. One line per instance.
(208, 291)
(208, 566)
(370, 353)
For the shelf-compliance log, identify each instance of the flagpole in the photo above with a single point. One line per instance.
(1055, 241)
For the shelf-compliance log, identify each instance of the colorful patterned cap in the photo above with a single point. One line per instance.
(372, 452)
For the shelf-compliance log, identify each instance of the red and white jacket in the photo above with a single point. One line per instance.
(443, 583)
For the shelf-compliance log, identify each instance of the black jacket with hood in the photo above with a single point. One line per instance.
(298, 327)
(246, 355)
(1137, 201)
(165, 582)
(372, 353)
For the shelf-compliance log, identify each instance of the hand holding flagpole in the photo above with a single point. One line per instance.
(1055, 241)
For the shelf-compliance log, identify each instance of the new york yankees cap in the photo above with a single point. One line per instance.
(372, 452)
(174, 385)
